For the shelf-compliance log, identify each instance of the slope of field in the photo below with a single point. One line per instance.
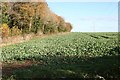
(83, 55)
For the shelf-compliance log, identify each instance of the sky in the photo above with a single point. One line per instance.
(88, 16)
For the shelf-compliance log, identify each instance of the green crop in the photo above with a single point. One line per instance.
(73, 44)
(82, 55)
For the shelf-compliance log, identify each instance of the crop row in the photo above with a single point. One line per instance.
(73, 44)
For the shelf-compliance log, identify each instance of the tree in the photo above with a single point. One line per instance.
(5, 14)
(34, 17)
(68, 27)
(61, 26)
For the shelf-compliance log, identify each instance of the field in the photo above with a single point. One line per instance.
(77, 55)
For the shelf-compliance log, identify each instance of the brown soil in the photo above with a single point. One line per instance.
(9, 68)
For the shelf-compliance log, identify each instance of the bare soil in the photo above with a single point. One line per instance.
(9, 68)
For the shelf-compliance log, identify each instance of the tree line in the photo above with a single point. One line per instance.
(30, 17)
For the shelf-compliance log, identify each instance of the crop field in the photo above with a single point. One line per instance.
(73, 55)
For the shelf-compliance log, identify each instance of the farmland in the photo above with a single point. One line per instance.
(81, 55)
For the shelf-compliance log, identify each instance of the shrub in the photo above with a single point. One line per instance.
(5, 30)
(15, 31)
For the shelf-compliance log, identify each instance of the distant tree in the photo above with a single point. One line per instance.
(68, 27)
(50, 28)
(61, 26)
(37, 25)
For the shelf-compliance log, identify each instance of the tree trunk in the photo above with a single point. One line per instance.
(30, 25)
